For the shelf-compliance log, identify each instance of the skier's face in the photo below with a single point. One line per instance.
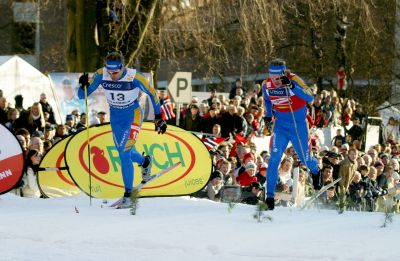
(115, 75)
(276, 79)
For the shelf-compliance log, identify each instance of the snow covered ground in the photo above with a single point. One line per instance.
(184, 228)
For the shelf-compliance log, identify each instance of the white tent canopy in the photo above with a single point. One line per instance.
(386, 111)
(19, 77)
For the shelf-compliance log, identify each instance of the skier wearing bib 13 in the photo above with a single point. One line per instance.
(287, 94)
(122, 87)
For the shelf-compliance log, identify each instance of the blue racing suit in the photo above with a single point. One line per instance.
(126, 115)
(285, 100)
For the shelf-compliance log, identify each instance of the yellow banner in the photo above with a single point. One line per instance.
(56, 183)
(176, 145)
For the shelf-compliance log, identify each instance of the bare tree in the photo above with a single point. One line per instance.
(238, 37)
(221, 37)
(96, 28)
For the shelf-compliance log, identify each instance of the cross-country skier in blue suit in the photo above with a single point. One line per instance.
(123, 87)
(287, 94)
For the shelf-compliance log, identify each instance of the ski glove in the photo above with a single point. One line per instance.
(160, 124)
(285, 80)
(84, 81)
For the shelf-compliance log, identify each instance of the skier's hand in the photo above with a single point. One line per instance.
(160, 124)
(286, 81)
(84, 81)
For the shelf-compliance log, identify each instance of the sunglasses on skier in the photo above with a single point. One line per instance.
(113, 72)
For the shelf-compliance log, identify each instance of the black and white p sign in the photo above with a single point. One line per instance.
(180, 87)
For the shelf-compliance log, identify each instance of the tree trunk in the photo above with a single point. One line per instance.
(82, 51)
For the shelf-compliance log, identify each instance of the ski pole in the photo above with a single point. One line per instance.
(194, 132)
(88, 143)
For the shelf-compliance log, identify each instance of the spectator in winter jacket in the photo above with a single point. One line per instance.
(356, 191)
(248, 176)
(372, 190)
(46, 107)
(356, 131)
(192, 121)
(225, 167)
(3, 110)
(32, 120)
(30, 187)
(209, 120)
(262, 174)
(347, 170)
(214, 185)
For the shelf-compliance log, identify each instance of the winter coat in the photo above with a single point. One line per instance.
(347, 171)
(30, 188)
(245, 180)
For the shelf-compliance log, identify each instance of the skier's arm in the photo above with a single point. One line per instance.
(267, 101)
(301, 89)
(94, 84)
(143, 84)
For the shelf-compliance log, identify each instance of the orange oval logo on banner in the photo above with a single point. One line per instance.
(11, 160)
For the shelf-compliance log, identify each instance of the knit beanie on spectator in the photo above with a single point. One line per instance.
(247, 156)
(251, 165)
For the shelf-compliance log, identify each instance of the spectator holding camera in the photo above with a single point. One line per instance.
(251, 195)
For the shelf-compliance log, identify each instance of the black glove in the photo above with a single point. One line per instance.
(268, 123)
(84, 81)
(160, 124)
(285, 80)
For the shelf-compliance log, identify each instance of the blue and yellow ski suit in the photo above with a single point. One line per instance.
(126, 115)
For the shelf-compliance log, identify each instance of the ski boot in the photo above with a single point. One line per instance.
(146, 168)
(126, 201)
(270, 203)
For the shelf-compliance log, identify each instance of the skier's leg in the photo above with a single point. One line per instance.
(301, 145)
(145, 162)
(279, 142)
(136, 126)
(120, 135)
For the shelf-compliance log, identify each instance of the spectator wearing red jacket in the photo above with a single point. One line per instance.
(248, 176)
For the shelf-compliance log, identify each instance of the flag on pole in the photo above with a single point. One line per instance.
(167, 112)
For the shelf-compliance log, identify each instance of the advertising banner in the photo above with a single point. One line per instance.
(11, 160)
(176, 145)
(66, 86)
(53, 178)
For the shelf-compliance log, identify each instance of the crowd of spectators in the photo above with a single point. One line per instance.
(37, 131)
(369, 180)
(236, 162)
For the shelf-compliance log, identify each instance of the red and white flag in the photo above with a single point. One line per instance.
(211, 142)
(167, 112)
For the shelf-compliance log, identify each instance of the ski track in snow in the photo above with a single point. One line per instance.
(184, 228)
